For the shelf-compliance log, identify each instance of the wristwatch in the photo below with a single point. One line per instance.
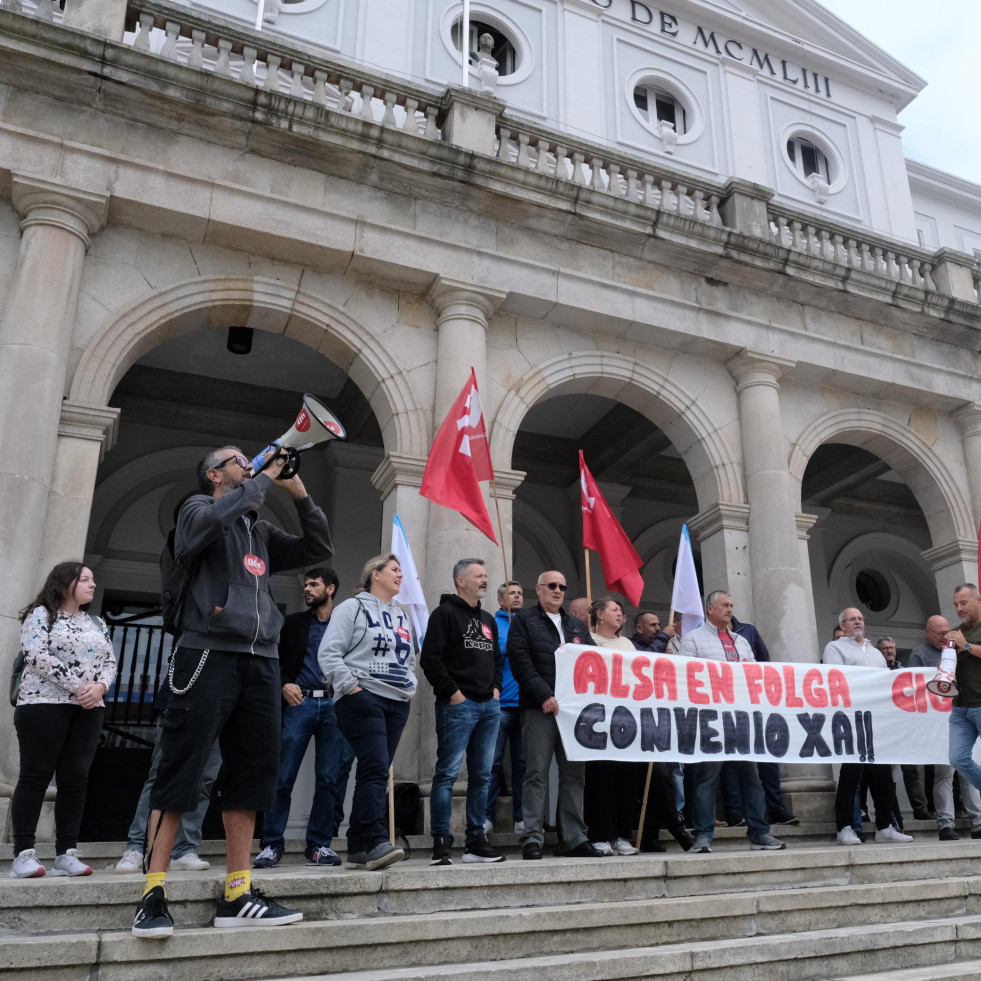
(966, 649)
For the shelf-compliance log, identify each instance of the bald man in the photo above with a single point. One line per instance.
(927, 655)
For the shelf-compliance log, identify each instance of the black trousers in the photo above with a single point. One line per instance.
(880, 785)
(55, 741)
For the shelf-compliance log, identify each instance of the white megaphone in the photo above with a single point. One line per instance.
(315, 424)
(944, 683)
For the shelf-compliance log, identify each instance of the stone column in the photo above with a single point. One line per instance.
(85, 432)
(825, 616)
(397, 481)
(35, 339)
(809, 647)
(782, 605)
(968, 417)
(952, 563)
(722, 531)
(462, 311)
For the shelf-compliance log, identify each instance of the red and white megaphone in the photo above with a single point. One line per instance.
(315, 424)
(944, 683)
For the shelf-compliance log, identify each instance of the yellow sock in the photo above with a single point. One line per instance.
(237, 884)
(155, 879)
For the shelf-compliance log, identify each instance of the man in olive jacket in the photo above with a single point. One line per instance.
(534, 636)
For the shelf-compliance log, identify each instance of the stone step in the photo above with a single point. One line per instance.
(105, 901)
(103, 855)
(301, 951)
(960, 970)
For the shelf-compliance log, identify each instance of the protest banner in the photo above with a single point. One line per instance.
(643, 707)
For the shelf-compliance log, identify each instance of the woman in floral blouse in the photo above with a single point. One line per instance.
(68, 667)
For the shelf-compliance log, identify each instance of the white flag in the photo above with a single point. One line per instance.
(686, 598)
(410, 595)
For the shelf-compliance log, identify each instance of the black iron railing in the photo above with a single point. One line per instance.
(142, 649)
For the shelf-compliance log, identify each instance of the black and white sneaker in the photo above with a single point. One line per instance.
(153, 920)
(253, 909)
(479, 850)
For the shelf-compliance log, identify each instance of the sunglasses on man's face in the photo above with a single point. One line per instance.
(240, 460)
(561, 586)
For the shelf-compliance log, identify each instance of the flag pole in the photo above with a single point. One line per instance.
(643, 804)
(647, 782)
(589, 587)
(500, 535)
(391, 803)
(465, 43)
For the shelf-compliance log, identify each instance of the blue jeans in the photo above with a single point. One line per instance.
(509, 732)
(373, 725)
(703, 798)
(468, 728)
(965, 727)
(189, 836)
(312, 718)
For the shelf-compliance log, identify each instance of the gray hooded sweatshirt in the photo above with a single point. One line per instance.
(369, 644)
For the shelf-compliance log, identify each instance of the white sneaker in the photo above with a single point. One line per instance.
(488, 826)
(623, 847)
(603, 847)
(847, 836)
(519, 827)
(189, 862)
(891, 834)
(26, 866)
(68, 864)
(132, 861)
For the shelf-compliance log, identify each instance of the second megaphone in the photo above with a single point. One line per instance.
(315, 424)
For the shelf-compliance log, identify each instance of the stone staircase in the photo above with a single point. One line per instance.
(815, 911)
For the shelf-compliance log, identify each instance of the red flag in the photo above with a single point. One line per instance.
(459, 458)
(602, 532)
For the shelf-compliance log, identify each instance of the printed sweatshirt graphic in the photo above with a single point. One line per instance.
(461, 652)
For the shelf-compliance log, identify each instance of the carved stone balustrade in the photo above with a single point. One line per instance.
(607, 171)
(262, 60)
(844, 246)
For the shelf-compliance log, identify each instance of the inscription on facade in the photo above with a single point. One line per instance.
(725, 47)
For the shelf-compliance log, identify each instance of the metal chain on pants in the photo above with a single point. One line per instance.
(194, 677)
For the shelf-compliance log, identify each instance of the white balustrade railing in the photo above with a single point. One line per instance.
(844, 248)
(260, 61)
(601, 171)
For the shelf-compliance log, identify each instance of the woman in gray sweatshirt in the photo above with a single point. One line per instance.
(368, 656)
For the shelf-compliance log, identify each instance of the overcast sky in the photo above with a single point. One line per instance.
(938, 41)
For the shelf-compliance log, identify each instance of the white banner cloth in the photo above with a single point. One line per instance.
(644, 707)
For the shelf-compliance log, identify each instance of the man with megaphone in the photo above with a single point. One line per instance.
(224, 675)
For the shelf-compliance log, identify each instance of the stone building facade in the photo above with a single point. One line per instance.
(689, 245)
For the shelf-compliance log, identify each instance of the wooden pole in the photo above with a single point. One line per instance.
(500, 532)
(589, 588)
(647, 783)
(391, 804)
(643, 804)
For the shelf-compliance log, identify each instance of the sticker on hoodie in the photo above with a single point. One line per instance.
(254, 564)
(487, 631)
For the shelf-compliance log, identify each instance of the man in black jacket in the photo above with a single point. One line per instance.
(534, 636)
(461, 660)
(308, 713)
(224, 675)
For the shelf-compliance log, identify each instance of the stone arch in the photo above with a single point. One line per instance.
(715, 471)
(550, 546)
(175, 466)
(945, 507)
(911, 581)
(265, 304)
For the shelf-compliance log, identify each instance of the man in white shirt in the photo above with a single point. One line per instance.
(716, 640)
(854, 649)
